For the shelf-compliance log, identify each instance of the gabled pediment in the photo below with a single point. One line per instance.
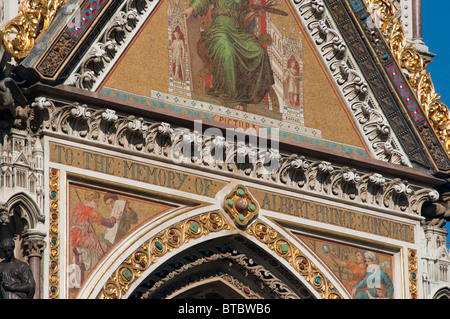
(21, 160)
(442, 253)
(336, 81)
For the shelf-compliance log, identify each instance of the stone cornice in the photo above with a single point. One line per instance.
(294, 166)
(64, 94)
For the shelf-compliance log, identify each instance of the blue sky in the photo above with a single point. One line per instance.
(436, 35)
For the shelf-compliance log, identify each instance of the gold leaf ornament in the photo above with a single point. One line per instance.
(20, 34)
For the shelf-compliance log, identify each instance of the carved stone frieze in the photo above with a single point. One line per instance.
(117, 32)
(215, 152)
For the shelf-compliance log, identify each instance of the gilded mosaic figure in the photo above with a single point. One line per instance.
(240, 66)
(178, 55)
(292, 83)
(87, 245)
(376, 284)
(16, 278)
(125, 217)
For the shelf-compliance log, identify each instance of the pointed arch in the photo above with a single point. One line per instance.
(443, 293)
(124, 271)
(27, 208)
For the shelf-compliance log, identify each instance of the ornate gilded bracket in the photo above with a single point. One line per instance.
(19, 35)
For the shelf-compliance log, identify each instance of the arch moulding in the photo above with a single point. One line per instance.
(123, 270)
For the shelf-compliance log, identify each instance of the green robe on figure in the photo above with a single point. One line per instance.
(240, 66)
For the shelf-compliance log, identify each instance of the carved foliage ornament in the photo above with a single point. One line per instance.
(183, 146)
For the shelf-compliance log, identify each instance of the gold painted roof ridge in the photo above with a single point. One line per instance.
(20, 34)
(414, 66)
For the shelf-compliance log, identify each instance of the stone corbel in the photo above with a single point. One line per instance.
(436, 213)
(102, 125)
(215, 151)
(319, 176)
(398, 194)
(4, 214)
(131, 132)
(293, 170)
(346, 183)
(268, 164)
(72, 119)
(372, 188)
(244, 158)
(159, 138)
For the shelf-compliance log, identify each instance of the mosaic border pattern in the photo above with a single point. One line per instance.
(54, 234)
(208, 111)
(412, 268)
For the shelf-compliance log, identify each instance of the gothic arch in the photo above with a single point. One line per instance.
(229, 267)
(443, 293)
(197, 247)
(21, 213)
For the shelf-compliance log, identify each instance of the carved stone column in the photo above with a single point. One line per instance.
(34, 245)
(417, 30)
(417, 19)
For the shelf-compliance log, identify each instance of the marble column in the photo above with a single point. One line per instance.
(417, 19)
(34, 245)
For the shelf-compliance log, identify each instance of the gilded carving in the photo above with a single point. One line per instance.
(412, 270)
(54, 235)
(216, 152)
(302, 264)
(21, 33)
(159, 245)
(409, 59)
(196, 227)
(241, 206)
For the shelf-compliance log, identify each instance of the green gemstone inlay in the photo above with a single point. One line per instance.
(193, 227)
(126, 273)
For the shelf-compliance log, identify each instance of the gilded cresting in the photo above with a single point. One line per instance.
(410, 60)
(19, 35)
